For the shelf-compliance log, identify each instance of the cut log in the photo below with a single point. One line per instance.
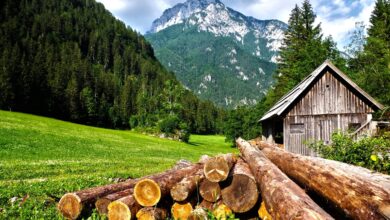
(359, 197)
(209, 191)
(71, 204)
(147, 192)
(102, 203)
(263, 213)
(242, 194)
(181, 164)
(198, 214)
(206, 205)
(284, 199)
(181, 210)
(123, 208)
(182, 190)
(216, 169)
(152, 213)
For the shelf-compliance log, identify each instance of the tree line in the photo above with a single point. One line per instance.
(72, 60)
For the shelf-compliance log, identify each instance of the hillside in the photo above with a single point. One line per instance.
(74, 60)
(218, 53)
(44, 158)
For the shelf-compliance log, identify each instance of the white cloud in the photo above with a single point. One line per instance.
(337, 17)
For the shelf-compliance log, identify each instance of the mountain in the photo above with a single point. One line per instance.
(71, 59)
(218, 53)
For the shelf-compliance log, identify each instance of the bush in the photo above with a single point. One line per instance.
(169, 125)
(369, 152)
(172, 127)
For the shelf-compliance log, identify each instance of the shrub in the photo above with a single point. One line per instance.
(369, 152)
(169, 125)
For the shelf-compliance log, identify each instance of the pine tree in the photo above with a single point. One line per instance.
(303, 50)
(373, 64)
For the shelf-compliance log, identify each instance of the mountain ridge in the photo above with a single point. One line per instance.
(188, 32)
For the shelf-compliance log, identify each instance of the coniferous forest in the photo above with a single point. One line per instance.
(72, 60)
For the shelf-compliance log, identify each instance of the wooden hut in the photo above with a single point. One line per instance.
(324, 102)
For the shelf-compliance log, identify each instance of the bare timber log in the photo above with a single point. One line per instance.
(284, 199)
(216, 169)
(181, 210)
(101, 204)
(359, 197)
(182, 190)
(123, 208)
(71, 204)
(209, 191)
(242, 194)
(147, 192)
(152, 213)
(198, 214)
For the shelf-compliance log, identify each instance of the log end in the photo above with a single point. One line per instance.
(210, 191)
(151, 213)
(181, 211)
(242, 194)
(216, 169)
(179, 193)
(147, 192)
(118, 211)
(198, 214)
(70, 206)
(102, 206)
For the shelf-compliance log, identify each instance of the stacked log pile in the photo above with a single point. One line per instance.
(263, 182)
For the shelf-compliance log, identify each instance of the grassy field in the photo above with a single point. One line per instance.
(42, 158)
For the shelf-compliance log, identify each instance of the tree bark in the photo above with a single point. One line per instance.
(181, 210)
(102, 203)
(355, 192)
(216, 169)
(210, 191)
(71, 204)
(148, 213)
(182, 190)
(242, 194)
(284, 199)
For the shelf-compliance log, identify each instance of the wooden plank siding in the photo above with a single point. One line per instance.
(328, 106)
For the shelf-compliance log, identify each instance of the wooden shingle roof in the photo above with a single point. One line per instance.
(287, 100)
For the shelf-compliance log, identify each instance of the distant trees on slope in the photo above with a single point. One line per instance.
(71, 59)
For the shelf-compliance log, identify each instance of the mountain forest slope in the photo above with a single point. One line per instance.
(71, 59)
(218, 53)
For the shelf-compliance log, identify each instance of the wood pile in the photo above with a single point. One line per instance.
(263, 182)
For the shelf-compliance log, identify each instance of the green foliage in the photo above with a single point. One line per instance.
(73, 60)
(369, 152)
(169, 124)
(244, 122)
(302, 51)
(372, 64)
(45, 158)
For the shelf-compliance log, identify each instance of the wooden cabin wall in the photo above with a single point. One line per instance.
(328, 106)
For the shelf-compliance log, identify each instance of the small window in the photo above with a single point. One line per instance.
(353, 126)
(297, 128)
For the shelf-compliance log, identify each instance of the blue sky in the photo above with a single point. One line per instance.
(337, 17)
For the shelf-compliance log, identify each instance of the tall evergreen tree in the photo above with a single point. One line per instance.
(373, 64)
(302, 51)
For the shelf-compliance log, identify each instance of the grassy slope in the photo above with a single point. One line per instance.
(45, 158)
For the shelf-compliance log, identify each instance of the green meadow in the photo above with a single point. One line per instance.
(43, 158)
